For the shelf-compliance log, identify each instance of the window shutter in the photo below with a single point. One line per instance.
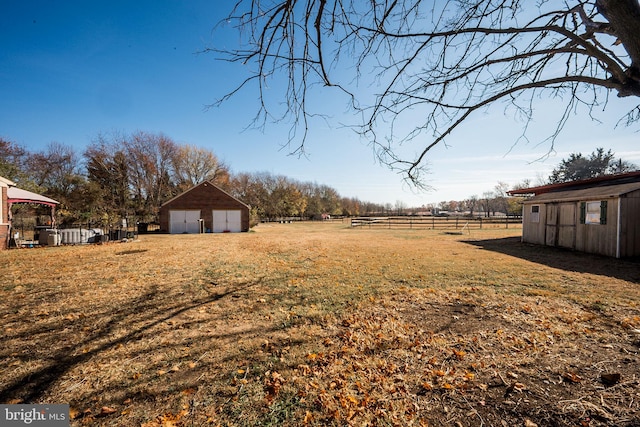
(603, 212)
(583, 212)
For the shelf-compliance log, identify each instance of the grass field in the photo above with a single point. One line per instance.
(321, 324)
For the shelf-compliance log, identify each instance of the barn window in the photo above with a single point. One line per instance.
(593, 212)
(535, 213)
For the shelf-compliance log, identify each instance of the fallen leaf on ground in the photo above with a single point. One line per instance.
(105, 410)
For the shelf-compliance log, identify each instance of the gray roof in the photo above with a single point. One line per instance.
(593, 193)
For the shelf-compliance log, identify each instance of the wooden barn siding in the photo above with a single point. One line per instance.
(205, 198)
(599, 238)
(533, 232)
(630, 225)
(4, 226)
(559, 225)
(567, 225)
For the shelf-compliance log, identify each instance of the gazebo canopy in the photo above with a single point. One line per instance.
(18, 195)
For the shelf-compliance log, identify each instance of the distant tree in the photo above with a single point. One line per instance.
(57, 169)
(487, 203)
(501, 198)
(514, 205)
(108, 175)
(621, 166)
(58, 172)
(321, 199)
(440, 62)
(248, 188)
(288, 199)
(193, 165)
(149, 157)
(599, 162)
(472, 204)
(369, 208)
(525, 183)
(271, 196)
(13, 164)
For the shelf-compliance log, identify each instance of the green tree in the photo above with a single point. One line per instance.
(598, 163)
(440, 62)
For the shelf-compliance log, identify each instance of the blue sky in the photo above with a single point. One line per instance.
(71, 70)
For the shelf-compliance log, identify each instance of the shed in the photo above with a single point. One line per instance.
(599, 215)
(204, 208)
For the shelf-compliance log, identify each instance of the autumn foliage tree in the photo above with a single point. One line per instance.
(414, 71)
(129, 176)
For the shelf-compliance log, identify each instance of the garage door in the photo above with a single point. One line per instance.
(227, 221)
(184, 222)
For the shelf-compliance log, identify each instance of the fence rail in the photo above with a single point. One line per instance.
(436, 223)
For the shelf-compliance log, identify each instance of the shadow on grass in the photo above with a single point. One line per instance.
(140, 316)
(563, 259)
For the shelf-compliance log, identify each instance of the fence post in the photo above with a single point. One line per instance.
(480, 223)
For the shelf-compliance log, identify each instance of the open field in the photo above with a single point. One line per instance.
(321, 324)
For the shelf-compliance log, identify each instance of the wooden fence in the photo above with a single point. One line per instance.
(437, 223)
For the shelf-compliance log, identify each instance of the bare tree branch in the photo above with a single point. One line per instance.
(446, 60)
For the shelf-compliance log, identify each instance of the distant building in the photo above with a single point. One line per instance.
(599, 215)
(204, 208)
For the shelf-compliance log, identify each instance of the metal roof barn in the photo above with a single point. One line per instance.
(599, 215)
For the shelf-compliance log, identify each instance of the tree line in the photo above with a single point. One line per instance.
(131, 175)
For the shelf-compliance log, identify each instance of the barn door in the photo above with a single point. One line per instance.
(567, 225)
(551, 225)
(184, 222)
(227, 221)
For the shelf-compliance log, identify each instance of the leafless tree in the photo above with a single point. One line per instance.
(440, 61)
(193, 165)
(57, 170)
(150, 158)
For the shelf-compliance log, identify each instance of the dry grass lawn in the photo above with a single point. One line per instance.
(320, 324)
